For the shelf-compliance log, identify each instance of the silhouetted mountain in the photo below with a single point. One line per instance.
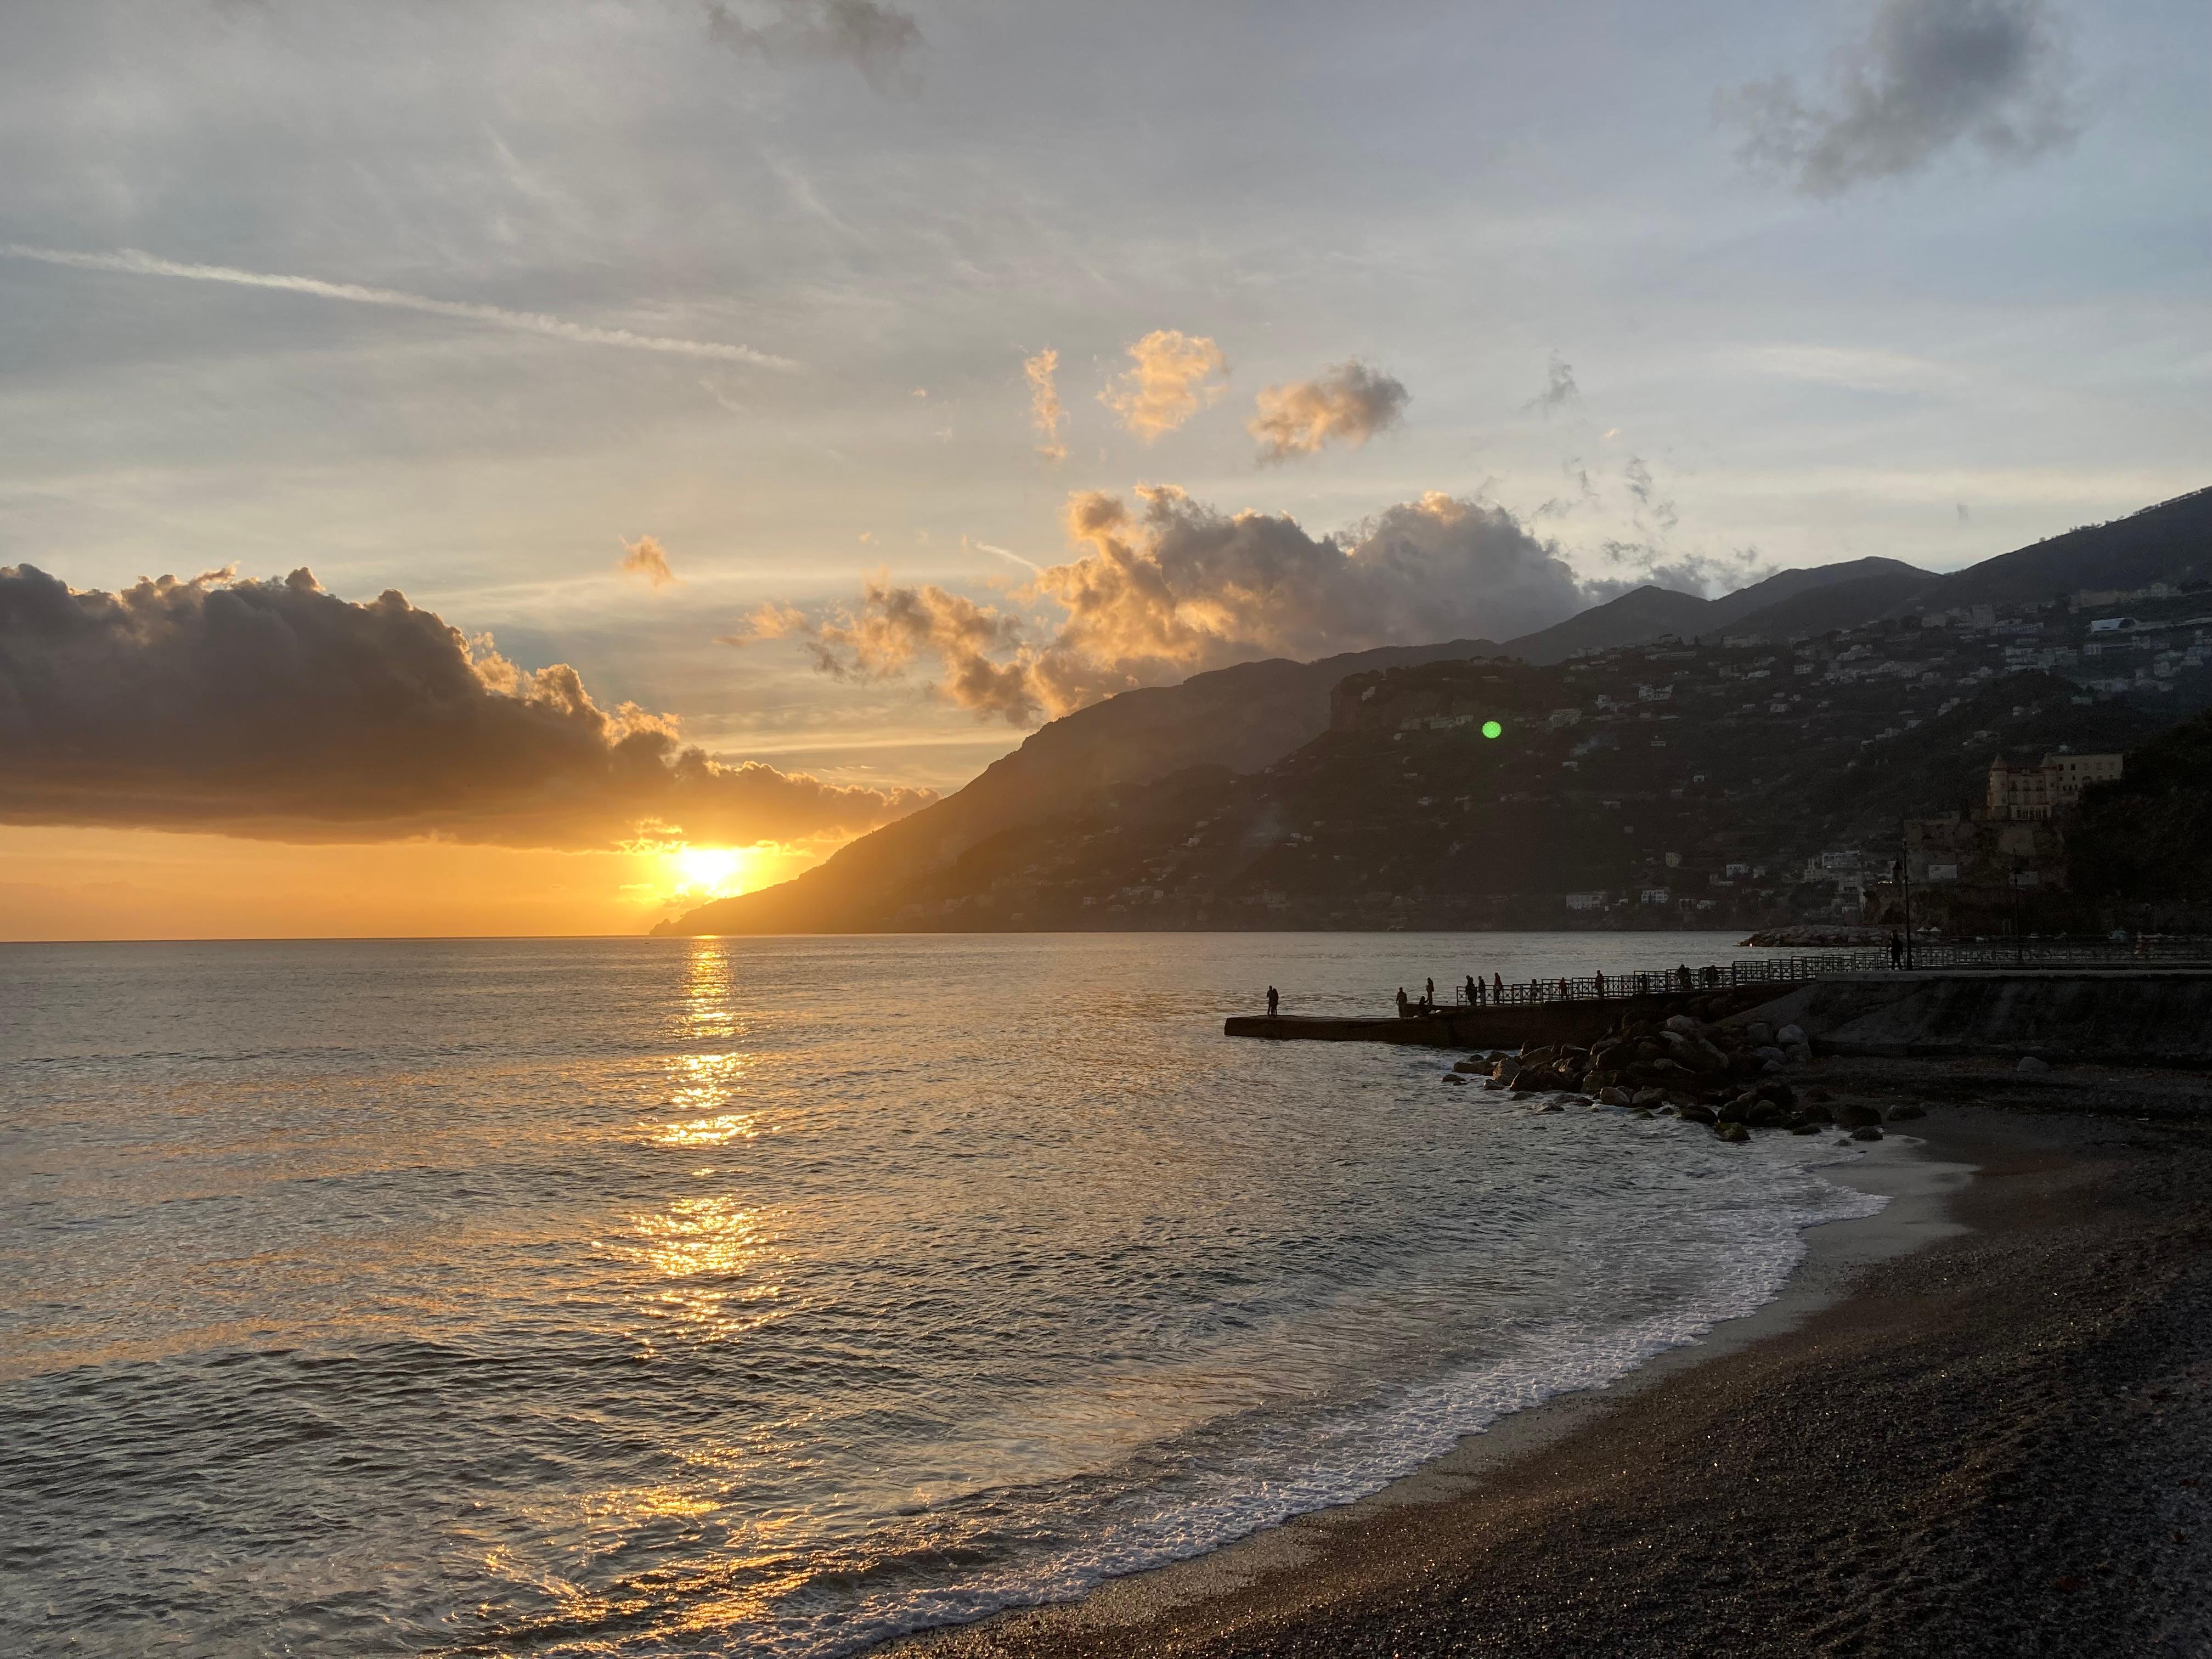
(1239, 718)
(1641, 615)
(2169, 542)
(1233, 722)
(1734, 611)
(1818, 610)
(1645, 614)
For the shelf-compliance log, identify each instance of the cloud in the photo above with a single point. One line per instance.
(132, 262)
(1561, 389)
(1931, 74)
(1708, 575)
(1045, 412)
(1171, 379)
(645, 558)
(275, 710)
(875, 38)
(1647, 499)
(1349, 402)
(1170, 588)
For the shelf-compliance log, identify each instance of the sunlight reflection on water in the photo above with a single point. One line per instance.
(770, 1296)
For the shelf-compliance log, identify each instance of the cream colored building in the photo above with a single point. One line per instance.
(2027, 792)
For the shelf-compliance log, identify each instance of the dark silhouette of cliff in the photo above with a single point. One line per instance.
(2146, 838)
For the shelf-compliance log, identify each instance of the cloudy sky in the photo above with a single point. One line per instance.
(771, 410)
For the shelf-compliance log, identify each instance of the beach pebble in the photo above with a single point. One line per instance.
(1866, 1132)
(2029, 1063)
(1790, 1036)
(1805, 1129)
(1454, 1077)
(1735, 1134)
(1906, 1113)
(1550, 1106)
(1613, 1097)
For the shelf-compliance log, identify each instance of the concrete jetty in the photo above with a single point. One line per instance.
(1508, 1025)
(2122, 1015)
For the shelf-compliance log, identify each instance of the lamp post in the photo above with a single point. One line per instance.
(1901, 873)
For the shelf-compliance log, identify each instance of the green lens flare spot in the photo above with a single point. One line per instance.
(1492, 729)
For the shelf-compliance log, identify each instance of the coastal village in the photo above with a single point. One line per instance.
(1754, 779)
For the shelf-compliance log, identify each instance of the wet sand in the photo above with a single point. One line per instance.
(1978, 1423)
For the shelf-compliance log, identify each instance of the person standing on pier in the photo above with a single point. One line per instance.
(1474, 991)
(1429, 994)
(1274, 1001)
(1497, 988)
(1403, 1007)
(1601, 985)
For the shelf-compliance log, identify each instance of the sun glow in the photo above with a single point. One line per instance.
(707, 871)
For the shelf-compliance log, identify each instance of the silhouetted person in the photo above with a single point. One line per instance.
(1497, 988)
(1403, 1007)
(1896, 952)
(1274, 1001)
(1429, 994)
(1473, 990)
(1601, 985)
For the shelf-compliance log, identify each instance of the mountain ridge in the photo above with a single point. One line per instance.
(1246, 716)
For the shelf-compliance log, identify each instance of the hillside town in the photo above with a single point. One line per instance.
(1743, 779)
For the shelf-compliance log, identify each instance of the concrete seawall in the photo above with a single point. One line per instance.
(2143, 1017)
(1458, 1026)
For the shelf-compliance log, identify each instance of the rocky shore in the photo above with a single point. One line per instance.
(1727, 1073)
(1996, 1443)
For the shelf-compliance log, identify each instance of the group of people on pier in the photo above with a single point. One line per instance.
(1474, 993)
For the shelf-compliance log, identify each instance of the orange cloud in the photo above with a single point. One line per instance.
(1170, 588)
(645, 558)
(1045, 412)
(1348, 404)
(1171, 378)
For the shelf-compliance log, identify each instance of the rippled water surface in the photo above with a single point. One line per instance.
(772, 1296)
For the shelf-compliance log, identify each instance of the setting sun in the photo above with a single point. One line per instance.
(709, 872)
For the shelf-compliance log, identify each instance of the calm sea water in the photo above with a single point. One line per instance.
(767, 1296)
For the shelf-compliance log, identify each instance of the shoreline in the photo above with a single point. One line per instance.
(1414, 1567)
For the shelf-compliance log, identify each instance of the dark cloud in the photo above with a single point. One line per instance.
(274, 710)
(1171, 588)
(1929, 74)
(1559, 389)
(1649, 504)
(875, 38)
(1348, 404)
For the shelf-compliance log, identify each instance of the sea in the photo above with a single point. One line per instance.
(777, 1296)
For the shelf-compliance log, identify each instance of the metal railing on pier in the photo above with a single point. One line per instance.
(1829, 964)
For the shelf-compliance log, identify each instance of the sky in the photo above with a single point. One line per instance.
(605, 453)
